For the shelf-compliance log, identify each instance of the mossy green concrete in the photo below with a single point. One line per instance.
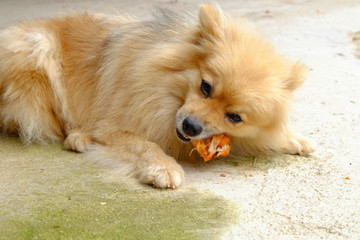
(49, 193)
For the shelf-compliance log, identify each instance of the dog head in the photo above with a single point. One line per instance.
(242, 87)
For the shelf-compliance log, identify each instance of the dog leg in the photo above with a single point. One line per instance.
(77, 141)
(136, 156)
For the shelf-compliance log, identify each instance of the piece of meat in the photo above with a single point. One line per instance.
(212, 147)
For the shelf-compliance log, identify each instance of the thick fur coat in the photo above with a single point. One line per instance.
(121, 89)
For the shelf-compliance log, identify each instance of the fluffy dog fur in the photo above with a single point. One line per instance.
(119, 88)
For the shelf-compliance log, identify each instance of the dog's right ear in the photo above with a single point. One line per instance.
(211, 20)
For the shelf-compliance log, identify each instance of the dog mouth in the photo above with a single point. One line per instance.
(182, 137)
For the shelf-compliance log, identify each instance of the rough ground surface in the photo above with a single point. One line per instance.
(48, 193)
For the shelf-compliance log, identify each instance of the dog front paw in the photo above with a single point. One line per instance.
(299, 146)
(165, 172)
(77, 141)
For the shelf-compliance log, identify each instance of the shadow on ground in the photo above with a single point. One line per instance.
(356, 40)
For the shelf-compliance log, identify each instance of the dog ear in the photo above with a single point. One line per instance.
(211, 20)
(297, 76)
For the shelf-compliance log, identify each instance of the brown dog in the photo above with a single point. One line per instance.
(133, 93)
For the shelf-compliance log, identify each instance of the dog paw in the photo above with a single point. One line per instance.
(166, 173)
(299, 146)
(77, 141)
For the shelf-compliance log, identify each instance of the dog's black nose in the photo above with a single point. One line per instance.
(191, 128)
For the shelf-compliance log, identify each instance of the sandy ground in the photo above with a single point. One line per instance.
(282, 197)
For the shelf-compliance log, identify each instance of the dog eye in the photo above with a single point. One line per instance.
(234, 118)
(205, 88)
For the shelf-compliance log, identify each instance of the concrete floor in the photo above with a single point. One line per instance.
(282, 197)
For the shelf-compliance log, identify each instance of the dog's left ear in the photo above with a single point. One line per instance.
(211, 20)
(297, 76)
